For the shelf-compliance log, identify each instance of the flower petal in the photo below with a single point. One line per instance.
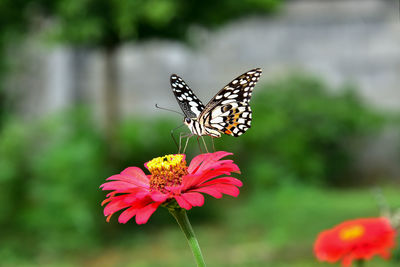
(226, 189)
(117, 185)
(195, 199)
(190, 180)
(127, 214)
(135, 173)
(209, 190)
(224, 180)
(195, 163)
(158, 196)
(132, 175)
(182, 202)
(114, 206)
(143, 214)
(211, 159)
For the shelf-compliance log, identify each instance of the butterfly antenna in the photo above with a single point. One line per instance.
(167, 109)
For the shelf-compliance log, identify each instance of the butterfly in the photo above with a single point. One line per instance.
(228, 112)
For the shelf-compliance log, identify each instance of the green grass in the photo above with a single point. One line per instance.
(273, 228)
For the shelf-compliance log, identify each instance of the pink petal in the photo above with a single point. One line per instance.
(158, 197)
(114, 206)
(136, 173)
(127, 215)
(143, 214)
(190, 180)
(210, 191)
(129, 179)
(136, 196)
(228, 166)
(117, 185)
(226, 189)
(195, 199)
(195, 163)
(183, 203)
(211, 159)
(224, 180)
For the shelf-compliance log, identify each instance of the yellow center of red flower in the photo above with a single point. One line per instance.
(166, 171)
(351, 232)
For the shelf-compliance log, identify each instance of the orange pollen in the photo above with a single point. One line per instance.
(166, 171)
(352, 232)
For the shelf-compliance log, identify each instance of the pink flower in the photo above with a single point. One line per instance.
(140, 194)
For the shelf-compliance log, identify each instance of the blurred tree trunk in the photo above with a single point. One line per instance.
(110, 94)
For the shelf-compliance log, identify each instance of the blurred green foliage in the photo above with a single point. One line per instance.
(51, 170)
(305, 131)
(108, 23)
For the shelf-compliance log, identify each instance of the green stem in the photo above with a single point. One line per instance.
(183, 221)
(360, 263)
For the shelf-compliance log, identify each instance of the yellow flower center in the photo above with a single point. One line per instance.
(166, 171)
(352, 232)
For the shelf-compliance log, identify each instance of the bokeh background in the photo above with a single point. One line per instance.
(78, 83)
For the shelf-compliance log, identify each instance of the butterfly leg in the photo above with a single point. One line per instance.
(212, 141)
(173, 137)
(181, 136)
(198, 143)
(180, 142)
(205, 145)
(187, 141)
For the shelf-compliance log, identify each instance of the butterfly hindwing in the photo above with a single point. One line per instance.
(232, 119)
(189, 103)
(229, 111)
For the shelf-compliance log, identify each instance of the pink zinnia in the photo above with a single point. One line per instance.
(140, 194)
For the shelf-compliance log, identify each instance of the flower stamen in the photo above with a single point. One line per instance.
(167, 171)
(351, 233)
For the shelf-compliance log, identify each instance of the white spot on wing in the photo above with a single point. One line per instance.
(227, 101)
(217, 120)
(216, 113)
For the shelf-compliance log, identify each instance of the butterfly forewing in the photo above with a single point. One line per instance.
(189, 103)
(229, 111)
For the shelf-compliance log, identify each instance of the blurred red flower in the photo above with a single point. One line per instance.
(359, 239)
(140, 194)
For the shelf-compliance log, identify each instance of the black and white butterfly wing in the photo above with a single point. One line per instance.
(189, 103)
(229, 111)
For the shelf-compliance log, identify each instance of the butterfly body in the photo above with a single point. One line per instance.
(198, 128)
(228, 112)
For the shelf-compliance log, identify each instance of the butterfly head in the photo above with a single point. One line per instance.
(188, 121)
